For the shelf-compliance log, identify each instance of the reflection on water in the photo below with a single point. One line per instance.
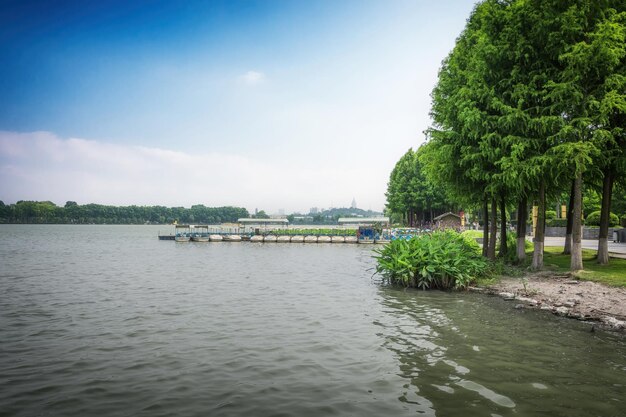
(108, 320)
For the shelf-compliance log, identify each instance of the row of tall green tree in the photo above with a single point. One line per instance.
(73, 213)
(412, 198)
(529, 105)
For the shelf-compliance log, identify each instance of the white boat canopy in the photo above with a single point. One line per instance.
(262, 221)
(363, 220)
(191, 226)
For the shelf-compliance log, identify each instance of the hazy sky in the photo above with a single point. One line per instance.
(269, 104)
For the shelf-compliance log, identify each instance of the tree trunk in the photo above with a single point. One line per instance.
(485, 227)
(605, 212)
(540, 230)
(576, 260)
(567, 248)
(493, 229)
(503, 245)
(522, 214)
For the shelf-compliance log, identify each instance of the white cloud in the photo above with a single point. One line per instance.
(42, 166)
(253, 77)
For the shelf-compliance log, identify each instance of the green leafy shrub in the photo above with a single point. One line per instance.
(442, 259)
(550, 214)
(594, 219)
(556, 223)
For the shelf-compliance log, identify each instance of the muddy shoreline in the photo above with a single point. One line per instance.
(565, 296)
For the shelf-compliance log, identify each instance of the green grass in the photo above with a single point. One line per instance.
(472, 233)
(613, 274)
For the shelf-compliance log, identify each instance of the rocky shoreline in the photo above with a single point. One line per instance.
(565, 296)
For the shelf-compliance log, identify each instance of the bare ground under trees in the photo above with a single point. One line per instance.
(565, 296)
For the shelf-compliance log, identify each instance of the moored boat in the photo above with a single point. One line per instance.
(182, 237)
(199, 237)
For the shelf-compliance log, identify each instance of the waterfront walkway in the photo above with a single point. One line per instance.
(616, 250)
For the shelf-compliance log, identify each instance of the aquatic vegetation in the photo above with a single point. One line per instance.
(442, 260)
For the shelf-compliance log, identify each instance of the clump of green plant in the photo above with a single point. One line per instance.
(528, 290)
(439, 260)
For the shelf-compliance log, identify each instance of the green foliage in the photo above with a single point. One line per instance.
(591, 202)
(593, 219)
(550, 214)
(261, 215)
(557, 223)
(48, 212)
(442, 260)
(330, 216)
(410, 193)
(510, 256)
(532, 95)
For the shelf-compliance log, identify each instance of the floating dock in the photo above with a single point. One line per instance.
(245, 232)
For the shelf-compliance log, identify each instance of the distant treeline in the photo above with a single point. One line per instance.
(73, 213)
(330, 216)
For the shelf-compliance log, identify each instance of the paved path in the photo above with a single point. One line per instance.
(617, 250)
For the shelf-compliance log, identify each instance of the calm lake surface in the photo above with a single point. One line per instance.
(110, 321)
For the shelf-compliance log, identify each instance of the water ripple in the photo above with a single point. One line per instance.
(122, 324)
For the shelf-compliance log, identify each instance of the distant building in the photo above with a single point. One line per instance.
(314, 210)
(447, 221)
(353, 205)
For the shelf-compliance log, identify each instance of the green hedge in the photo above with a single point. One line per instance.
(550, 214)
(556, 223)
(594, 219)
(442, 259)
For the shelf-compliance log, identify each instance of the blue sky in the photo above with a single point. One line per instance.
(269, 104)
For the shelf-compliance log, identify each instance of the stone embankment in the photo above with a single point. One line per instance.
(564, 296)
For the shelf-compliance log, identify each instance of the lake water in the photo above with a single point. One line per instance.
(110, 321)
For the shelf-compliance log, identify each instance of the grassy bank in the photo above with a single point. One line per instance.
(613, 274)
